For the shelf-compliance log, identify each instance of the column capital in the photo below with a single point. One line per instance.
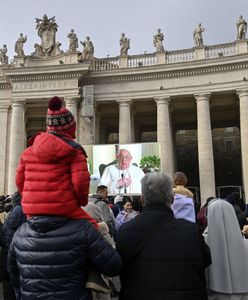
(202, 97)
(242, 93)
(163, 100)
(18, 102)
(4, 106)
(124, 102)
(71, 100)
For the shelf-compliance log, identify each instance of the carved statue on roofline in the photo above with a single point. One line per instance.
(47, 28)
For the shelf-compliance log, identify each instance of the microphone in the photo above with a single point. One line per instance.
(125, 188)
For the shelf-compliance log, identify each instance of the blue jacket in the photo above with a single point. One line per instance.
(49, 258)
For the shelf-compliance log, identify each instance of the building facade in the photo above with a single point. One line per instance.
(194, 102)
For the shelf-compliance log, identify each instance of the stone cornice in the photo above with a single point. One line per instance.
(5, 86)
(46, 72)
(193, 68)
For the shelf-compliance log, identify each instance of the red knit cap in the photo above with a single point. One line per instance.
(59, 119)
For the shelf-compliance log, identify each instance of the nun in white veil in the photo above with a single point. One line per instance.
(228, 275)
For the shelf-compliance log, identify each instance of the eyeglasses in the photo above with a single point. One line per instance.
(124, 157)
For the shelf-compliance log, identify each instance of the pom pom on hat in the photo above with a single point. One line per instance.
(59, 119)
(55, 103)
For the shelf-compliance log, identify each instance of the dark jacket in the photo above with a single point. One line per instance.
(49, 258)
(171, 264)
(13, 220)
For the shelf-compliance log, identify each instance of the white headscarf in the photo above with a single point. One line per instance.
(229, 250)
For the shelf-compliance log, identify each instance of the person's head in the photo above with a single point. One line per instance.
(94, 211)
(208, 200)
(87, 38)
(127, 204)
(157, 189)
(180, 178)
(124, 159)
(231, 199)
(159, 30)
(59, 119)
(118, 199)
(102, 191)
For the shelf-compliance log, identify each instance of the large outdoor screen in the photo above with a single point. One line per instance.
(121, 167)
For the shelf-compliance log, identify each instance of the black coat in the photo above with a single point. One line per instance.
(14, 219)
(49, 258)
(171, 264)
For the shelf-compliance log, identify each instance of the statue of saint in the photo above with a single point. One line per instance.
(4, 59)
(124, 44)
(241, 28)
(19, 44)
(197, 35)
(158, 41)
(73, 41)
(88, 51)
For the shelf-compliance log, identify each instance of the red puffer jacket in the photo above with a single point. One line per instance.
(53, 178)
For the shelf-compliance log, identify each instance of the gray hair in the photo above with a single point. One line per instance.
(157, 189)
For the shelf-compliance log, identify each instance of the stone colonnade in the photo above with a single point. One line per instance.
(164, 137)
(204, 134)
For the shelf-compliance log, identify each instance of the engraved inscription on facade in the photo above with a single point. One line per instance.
(44, 85)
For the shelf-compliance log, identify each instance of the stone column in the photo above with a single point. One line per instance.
(72, 105)
(3, 149)
(205, 148)
(243, 107)
(164, 136)
(17, 141)
(125, 133)
(132, 116)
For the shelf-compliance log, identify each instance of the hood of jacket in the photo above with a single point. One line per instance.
(44, 224)
(183, 207)
(50, 148)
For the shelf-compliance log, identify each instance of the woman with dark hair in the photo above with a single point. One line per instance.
(125, 215)
(202, 216)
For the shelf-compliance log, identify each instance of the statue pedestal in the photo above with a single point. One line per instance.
(71, 58)
(19, 61)
(241, 46)
(123, 61)
(160, 57)
(200, 52)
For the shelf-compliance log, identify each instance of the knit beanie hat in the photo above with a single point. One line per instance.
(59, 119)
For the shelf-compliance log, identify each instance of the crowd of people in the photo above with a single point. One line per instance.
(58, 243)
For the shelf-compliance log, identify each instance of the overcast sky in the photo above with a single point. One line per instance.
(105, 20)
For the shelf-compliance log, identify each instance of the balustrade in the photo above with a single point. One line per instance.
(175, 56)
(221, 50)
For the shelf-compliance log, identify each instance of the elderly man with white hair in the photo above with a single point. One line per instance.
(123, 177)
(163, 257)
